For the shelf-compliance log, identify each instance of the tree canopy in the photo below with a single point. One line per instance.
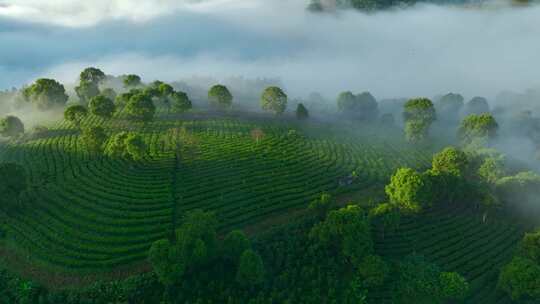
(75, 114)
(419, 114)
(477, 105)
(46, 94)
(131, 81)
(449, 106)
(409, 190)
(102, 106)
(141, 107)
(362, 106)
(478, 127)
(11, 126)
(94, 139)
(219, 95)
(251, 269)
(274, 99)
(180, 102)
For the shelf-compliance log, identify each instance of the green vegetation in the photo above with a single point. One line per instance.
(418, 115)
(274, 100)
(220, 96)
(46, 94)
(11, 126)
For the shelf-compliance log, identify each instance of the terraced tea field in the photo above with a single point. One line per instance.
(86, 213)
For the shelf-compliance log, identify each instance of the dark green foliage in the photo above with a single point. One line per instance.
(481, 127)
(165, 89)
(86, 91)
(449, 107)
(386, 215)
(373, 271)
(362, 106)
(418, 114)
(250, 270)
(12, 184)
(477, 105)
(195, 245)
(301, 112)
(234, 244)
(530, 246)
(322, 205)
(423, 282)
(75, 114)
(409, 190)
(11, 126)
(180, 102)
(131, 81)
(102, 106)
(122, 99)
(522, 187)
(492, 169)
(521, 279)
(220, 96)
(347, 232)
(46, 94)
(94, 138)
(140, 107)
(126, 145)
(274, 99)
(92, 75)
(453, 286)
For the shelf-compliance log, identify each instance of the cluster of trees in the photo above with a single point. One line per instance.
(13, 182)
(361, 106)
(11, 126)
(521, 277)
(127, 145)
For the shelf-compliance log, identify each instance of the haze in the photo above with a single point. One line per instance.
(419, 51)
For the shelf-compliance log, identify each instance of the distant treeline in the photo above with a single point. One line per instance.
(369, 5)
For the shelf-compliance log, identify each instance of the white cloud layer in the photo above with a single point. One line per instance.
(419, 51)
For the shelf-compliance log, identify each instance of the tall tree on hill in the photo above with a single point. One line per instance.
(409, 190)
(274, 99)
(11, 126)
(94, 139)
(220, 96)
(141, 107)
(46, 94)
(362, 106)
(131, 81)
(89, 81)
(478, 129)
(102, 106)
(419, 114)
(477, 105)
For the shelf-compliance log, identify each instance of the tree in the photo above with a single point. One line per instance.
(75, 114)
(180, 102)
(387, 215)
(453, 286)
(126, 145)
(274, 99)
(141, 107)
(373, 270)
(251, 269)
(165, 89)
(131, 81)
(530, 246)
(12, 184)
(123, 99)
(450, 161)
(321, 205)
(483, 126)
(419, 114)
(220, 96)
(234, 244)
(492, 170)
(362, 106)
(102, 106)
(301, 112)
(46, 94)
(477, 105)
(520, 278)
(449, 106)
(135, 147)
(194, 246)
(92, 75)
(11, 126)
(345, 231)
(409, 190)
(418, 281)
(94, 138)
